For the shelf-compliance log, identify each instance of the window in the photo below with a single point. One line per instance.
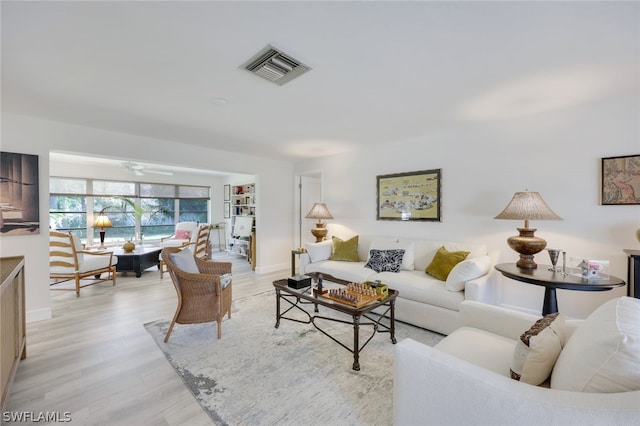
(194, 203)
(68, 213)
(193, 210)
(157, 218)
(135, 210)
(121, 214)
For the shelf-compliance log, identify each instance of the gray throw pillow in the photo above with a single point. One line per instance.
(185, 261)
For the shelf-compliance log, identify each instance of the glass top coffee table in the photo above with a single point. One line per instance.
(302, 300)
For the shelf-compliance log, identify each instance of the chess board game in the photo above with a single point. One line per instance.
(356, 295)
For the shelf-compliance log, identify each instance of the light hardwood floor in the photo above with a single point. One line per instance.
(95, 360)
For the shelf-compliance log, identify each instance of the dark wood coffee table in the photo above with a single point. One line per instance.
(138, 260)
(298, 299)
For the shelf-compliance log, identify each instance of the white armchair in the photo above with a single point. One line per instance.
(68, 261)
(473, 387)
(185, 233)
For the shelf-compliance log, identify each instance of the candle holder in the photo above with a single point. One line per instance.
(553, 255)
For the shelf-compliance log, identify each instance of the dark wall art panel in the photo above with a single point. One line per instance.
(19, 194)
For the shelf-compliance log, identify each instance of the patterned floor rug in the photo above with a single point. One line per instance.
(259, 375)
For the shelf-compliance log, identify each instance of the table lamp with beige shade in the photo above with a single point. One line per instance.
(102, 222)
(319, 211)
(527, 206)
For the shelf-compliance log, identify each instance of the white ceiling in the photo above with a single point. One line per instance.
(381, 71)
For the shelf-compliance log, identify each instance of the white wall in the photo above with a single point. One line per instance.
(557, 154)
(34, 248)
(34, 136)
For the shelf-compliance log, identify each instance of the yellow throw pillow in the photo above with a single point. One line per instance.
(444, 261)
(345, 250)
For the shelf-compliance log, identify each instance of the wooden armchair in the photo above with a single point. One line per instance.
(201, 245)
(68, 261)
(203, 288)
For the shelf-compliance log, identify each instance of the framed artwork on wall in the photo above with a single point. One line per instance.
(227, 210)
(227, 192)
(621, 180)
(409, 196)
(19, 194)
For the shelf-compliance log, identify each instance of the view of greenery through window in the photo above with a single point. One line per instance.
(136, 210)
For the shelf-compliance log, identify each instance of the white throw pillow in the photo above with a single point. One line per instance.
(319, 251)
(408, 259)
(467, 270)
(185, 261)
(603, 354)
(537, 350)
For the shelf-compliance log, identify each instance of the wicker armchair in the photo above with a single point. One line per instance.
(201, 297)
(200, 246)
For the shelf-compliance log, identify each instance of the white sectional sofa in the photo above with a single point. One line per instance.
(423, 300)
(465, 379)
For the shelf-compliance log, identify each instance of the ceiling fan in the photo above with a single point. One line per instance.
(140, 170)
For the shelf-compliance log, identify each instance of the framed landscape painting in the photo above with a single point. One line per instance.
(409, 196)
(621, 180)
(19, 194)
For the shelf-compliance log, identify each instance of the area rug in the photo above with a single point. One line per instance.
(259, 375)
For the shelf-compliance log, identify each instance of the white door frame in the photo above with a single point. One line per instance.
(308, 190)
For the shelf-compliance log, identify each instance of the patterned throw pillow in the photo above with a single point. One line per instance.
(408, 260)
(385, 260)
(444, 261)
(225, 280)
(538, 349)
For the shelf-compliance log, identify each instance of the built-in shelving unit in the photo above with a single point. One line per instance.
(243, 221)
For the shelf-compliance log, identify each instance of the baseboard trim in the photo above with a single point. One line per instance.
(273, 268)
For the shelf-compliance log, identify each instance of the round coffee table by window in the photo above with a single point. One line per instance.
(553, 280)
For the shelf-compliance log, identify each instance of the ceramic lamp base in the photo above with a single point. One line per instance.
(320, 232)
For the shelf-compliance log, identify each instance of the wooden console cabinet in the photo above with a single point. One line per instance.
(13, 342)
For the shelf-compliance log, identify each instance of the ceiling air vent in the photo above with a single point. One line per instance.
(275, 66)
